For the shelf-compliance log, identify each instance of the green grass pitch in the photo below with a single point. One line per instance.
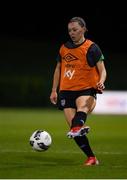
(63, 160)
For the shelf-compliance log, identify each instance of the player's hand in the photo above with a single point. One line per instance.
(53, 97)
(100, 87)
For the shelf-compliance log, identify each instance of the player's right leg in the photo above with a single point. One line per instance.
(81, 141)
(91, 161)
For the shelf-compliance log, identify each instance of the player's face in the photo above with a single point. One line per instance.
(76, 32)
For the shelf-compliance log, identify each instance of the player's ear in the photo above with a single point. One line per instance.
(85, 31)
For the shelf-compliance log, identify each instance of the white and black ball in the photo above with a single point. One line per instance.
(40, 140)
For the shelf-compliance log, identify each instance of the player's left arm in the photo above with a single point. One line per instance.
(95, 58)
(102, 73)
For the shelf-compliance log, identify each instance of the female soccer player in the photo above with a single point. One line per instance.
(79, 75)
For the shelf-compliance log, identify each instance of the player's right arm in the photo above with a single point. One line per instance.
(56, 79)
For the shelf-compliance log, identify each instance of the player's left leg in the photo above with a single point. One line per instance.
(70, 114)
(85, 104)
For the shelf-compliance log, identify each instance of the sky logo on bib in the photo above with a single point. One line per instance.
(69, 73)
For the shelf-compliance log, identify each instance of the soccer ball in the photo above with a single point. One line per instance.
(40, 140)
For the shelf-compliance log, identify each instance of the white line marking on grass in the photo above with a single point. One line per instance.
(108, 152)
(32, 151)
(60, 151)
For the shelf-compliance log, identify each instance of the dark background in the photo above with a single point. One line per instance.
(30, 36)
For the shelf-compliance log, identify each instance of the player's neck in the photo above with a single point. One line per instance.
(80, 41)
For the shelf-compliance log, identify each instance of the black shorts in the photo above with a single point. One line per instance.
(67, 99)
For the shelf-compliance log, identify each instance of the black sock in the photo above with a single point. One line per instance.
(79, 119)
(83, 143)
